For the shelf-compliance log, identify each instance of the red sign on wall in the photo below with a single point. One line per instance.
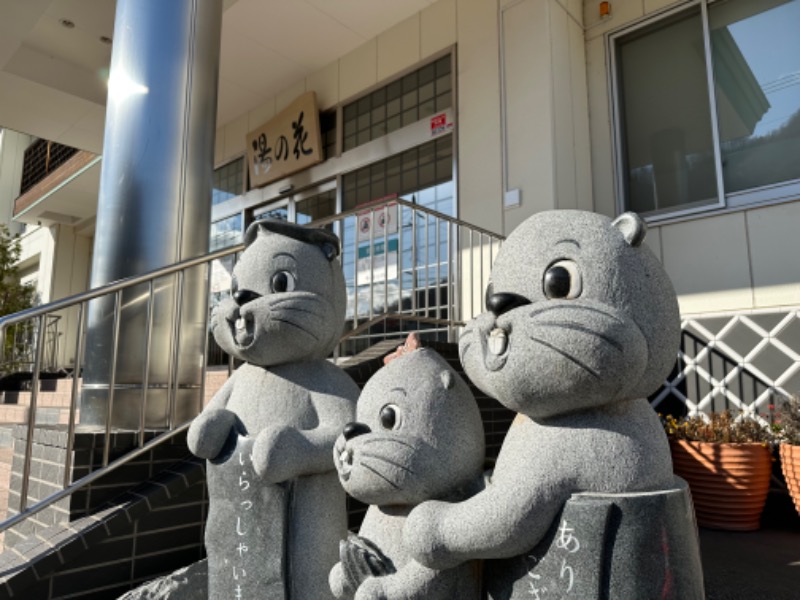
(440, 124)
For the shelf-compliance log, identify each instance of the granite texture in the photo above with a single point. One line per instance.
(277, 511)
(188, 583)
(622, 546)
(419, 436)
(582, 325)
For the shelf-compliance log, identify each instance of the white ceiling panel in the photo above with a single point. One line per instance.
(296, 30)
(17, 18)
(267, 46)
(368, 18)
(231, 98)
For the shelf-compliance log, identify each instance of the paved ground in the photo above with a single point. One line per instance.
(759, 565)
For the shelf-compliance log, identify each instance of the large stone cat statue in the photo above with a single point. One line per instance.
(582, 324)
(277, 511)
(419, 436)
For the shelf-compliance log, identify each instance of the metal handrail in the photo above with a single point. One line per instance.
(400, 317)
(93, 476)
(115, 286)
(418, 207)
(115, 289)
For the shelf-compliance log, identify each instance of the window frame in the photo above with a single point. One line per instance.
(784, 191)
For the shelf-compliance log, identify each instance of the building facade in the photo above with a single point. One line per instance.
(492, 111)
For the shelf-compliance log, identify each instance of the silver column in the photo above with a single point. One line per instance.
(154, 210)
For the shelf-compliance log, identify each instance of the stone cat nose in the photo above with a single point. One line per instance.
(355, 429)
(504, 302)
(244, 296)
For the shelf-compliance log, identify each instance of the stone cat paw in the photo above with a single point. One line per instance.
(209, 432)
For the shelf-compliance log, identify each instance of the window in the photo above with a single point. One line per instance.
(419, 94)
(226, 232)
(228, 181)
(316, 207)
(327, 130)
(677, 154)
(423, 175)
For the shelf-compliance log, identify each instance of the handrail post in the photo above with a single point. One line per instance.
(73, 401)
(176, 338)
(26, 468)
(113, 379)
(146, 367)
(371, 264)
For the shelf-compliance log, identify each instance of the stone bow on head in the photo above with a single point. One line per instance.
(412, 343)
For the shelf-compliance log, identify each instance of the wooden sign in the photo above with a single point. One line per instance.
(287, 143)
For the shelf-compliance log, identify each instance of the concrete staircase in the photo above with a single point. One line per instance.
(146, 519)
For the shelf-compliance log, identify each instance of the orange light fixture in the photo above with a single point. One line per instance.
(605, 9)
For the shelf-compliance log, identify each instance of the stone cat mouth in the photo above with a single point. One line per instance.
(495, 346)
(345, 463)
(497, 341)
(243, 330)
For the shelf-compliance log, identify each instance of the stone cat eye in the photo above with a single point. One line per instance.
(390, 416)
(282, 281)
(563, 280)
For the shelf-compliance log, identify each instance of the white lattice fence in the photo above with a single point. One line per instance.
(745, 362)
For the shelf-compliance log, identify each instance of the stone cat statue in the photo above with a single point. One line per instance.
(419, 436)
(277, 511)
(582, 324)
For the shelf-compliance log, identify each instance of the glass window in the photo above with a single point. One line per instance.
(422, 176)
(316, 207)
(327, 128)
(226, 232)
(415, 96)
(669, 149)
(757, 86)
(228, 181)
(670, 159)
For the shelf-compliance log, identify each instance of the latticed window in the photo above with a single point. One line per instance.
(43, 157)
(419, 94)
(423, 174)
(327, 130)
(228, 181)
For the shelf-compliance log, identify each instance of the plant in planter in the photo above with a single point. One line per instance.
(727, 460)
(788, 430)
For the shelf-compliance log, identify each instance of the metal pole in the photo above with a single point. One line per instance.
(146, 374)
(174, 368)
(26, 467)
(355, 271)
(156, 178)
(73, 401)
(113, 382)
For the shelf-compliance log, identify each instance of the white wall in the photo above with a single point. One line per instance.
(540, 118)
(12, 152)
(545, 119)
(56, 261)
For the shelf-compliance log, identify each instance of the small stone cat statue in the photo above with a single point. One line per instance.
(419, 436)
(277, 511)
(582, 324)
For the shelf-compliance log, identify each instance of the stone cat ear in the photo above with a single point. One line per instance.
(447, 379)
(632, 226)
(330, 251)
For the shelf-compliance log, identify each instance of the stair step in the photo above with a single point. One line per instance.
(11, 414)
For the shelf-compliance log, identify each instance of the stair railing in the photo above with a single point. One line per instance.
(441, 269)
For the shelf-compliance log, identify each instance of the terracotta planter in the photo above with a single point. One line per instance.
(729, 482)
(790, 463)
